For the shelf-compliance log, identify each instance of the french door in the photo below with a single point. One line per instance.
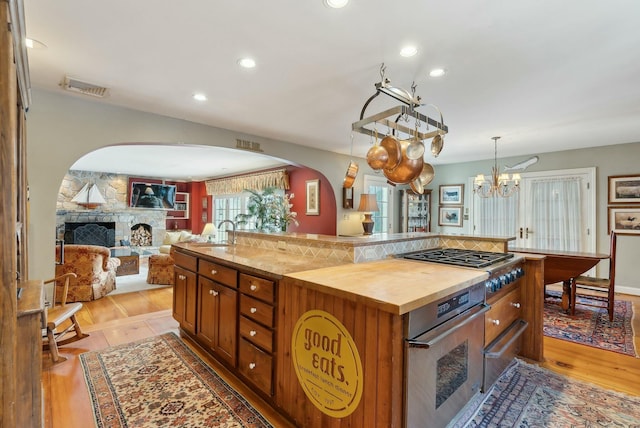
(383, 218)
(554, 210)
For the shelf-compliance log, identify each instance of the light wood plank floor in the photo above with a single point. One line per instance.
(123, 318)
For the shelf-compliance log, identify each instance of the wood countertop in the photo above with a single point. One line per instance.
(393, 285)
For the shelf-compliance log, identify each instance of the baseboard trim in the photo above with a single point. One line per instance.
(634, 291)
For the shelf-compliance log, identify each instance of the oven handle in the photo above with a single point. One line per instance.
(472, 314)
(515, 336)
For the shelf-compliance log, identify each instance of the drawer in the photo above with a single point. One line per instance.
(256, 365)
(259, 288)
(501, 315)
(256, 310)
(256, 334)
(185, 261)
(218, 273)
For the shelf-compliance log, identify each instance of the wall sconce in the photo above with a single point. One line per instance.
(209, 231)
(368, 206)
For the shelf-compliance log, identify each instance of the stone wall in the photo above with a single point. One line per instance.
(114, 188)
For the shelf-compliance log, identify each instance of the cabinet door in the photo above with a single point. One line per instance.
(207, 312)
(226, 345)
(184, 299)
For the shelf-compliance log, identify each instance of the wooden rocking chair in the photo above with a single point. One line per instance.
(58, 314)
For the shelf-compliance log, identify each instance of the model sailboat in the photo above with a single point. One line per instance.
(89, 197)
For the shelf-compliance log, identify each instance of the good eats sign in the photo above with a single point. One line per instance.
(327, 363)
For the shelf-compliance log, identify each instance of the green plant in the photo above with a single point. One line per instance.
(270, 211)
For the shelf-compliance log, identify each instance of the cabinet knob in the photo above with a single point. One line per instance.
(515, 305)
(254, 310)
(252, 366)
(253, 287)
(495, 322)
(253, 333)
(214, 272)
(182, 277)
(214, 293)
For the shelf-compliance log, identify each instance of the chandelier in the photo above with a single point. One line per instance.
(497, 184)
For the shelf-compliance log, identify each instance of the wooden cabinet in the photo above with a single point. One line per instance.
(217, 318)
(235, 316)
(185, 298)
(257, 331)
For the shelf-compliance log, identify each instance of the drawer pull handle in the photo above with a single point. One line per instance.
(214, 292)
(515, 305)
(214, 272)
(182, 277)
(253, 287)
(252, 366)
(495, 322)
(253, 310)
(253, 333)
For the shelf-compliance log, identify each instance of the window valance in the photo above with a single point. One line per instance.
(258, 181)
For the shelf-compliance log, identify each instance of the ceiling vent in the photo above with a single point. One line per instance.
(75, 85)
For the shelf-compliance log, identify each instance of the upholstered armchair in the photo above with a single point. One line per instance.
(95, 270)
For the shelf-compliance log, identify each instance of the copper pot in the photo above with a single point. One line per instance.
(350, 176)
(377, 157)
(394, 151)
(407, 169)
(427, 174)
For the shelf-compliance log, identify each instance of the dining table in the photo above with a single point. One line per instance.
(563, 266)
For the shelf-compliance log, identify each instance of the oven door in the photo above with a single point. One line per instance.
(444, 369)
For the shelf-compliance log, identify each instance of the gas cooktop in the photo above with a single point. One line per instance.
(459, 257)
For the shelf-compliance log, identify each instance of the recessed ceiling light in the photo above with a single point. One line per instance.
(336, 4)
(199, 97)
(246, 63)
(408, 51)
(34, 44)
(437, 72)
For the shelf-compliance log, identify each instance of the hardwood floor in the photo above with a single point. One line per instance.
(123, 318)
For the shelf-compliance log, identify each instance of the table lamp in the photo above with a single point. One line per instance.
(368, 206)
(209, 232)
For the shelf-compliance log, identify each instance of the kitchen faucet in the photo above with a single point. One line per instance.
(233, 236)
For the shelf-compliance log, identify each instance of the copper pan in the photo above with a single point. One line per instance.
(407, 169)
(427, 174)
(350, 176)
(377, 156)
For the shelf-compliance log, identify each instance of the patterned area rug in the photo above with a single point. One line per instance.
(591, 326)
(530, 396)
(160, 382)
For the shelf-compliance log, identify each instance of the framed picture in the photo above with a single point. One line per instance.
(624, 220)
(205, 201)
(452, 194)
(313, 197)
(450, 216)
(624, 189)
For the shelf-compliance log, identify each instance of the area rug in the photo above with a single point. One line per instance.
(160, 382)
(530, 396)
(590, 326)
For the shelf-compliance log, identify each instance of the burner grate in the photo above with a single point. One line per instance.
(458, 257)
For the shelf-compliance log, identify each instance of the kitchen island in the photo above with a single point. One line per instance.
(259, 306)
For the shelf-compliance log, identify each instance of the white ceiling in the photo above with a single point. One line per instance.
(546, 75)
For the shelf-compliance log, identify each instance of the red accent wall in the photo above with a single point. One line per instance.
(325, 223)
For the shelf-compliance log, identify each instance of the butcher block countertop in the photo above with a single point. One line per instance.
(393, 285)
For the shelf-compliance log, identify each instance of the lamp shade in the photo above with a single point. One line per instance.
(209, 229)
(368, 203)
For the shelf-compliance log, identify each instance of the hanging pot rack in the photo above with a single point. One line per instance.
(391, 117)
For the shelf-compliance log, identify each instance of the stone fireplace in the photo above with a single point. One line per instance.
(153, 221)
(86, 233)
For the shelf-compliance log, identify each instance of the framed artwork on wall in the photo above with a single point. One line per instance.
(452, 194)
(313, 197)
(624, 220)
(624, 189)
(450, 216)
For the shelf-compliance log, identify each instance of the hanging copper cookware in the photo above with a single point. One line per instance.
(377, 156)
(392, 146)
(350, 176)
(407, 169)
(427, 174)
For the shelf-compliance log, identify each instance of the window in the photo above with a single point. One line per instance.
(383, 218)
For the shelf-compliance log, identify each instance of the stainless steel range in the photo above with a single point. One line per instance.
(446, 355)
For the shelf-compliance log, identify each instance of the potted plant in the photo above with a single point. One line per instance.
(270, 211)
